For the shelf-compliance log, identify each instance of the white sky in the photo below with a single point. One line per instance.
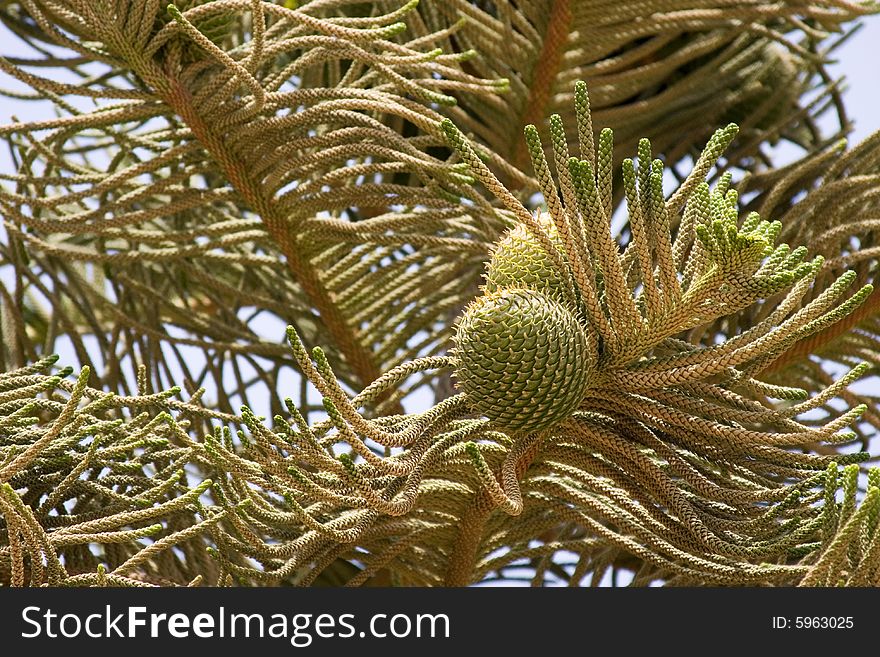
(858, 60)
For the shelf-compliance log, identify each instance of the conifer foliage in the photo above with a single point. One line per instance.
(545, 320)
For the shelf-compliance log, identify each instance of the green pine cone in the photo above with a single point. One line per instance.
(518, 260)
(522, 359)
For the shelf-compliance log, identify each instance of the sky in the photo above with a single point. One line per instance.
(856, 60)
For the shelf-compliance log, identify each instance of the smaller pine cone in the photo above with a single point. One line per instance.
(518, 260)
(522, 359)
